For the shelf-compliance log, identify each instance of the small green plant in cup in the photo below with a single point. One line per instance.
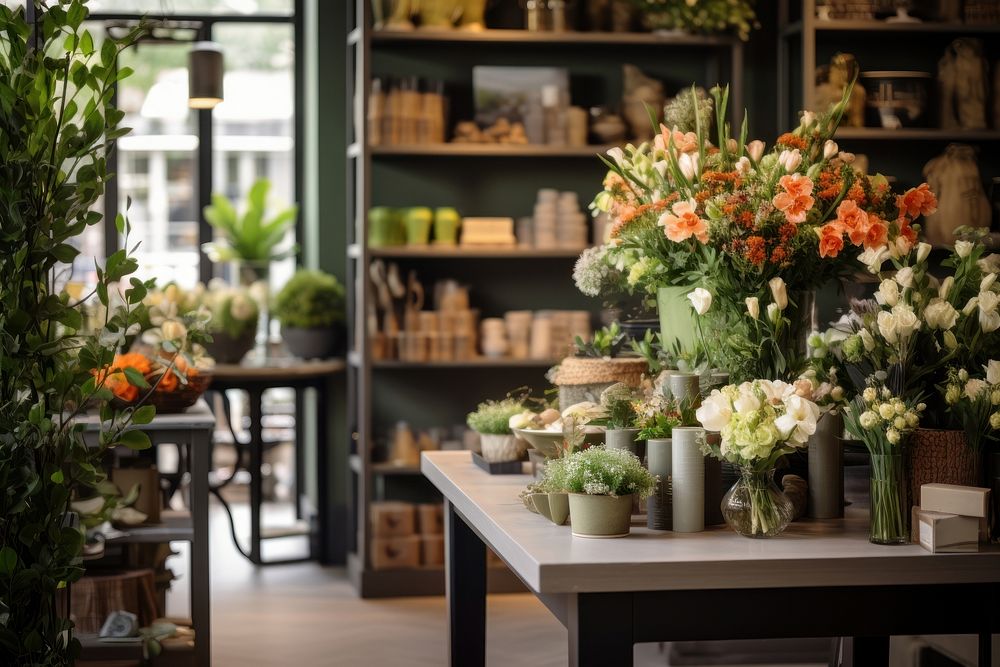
(493, 417)
(311, 308)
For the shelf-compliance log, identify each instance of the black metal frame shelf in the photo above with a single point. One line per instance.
(916, 134)
(834, 25)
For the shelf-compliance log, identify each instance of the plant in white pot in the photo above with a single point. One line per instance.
(601, 483)
(311, 309)
(491, 421)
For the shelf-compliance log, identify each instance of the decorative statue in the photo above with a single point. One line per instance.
(831, 82)
(641, 92)
(954, 177)
(962, 84)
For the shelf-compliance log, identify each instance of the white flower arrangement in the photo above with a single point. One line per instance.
(881, 419)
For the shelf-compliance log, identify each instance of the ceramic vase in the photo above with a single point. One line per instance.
(755, 506)
(685, 388)
(659, 461)
(600, 516)
(317, 343)
(826, 468)
(625, 438)
(446, 224)
(688, 468)
(558, 507)
(500, 448)
(676, 315)
(417, 222)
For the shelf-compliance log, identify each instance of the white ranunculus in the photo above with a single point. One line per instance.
(907, 321)
(990, 263)
(874, 258)
(779, 292)
(830, 149)
(888, 292)
(753, 306)
(987, 282)
(755, 149)
(989, 321)
(988, 301)
(945, 289)
(688, 163)
(993, 371)
(923, 251)
(905, 276)
(963, 248)
(790, 159)
(746, 403)
(715, 411)
(888, 326)
(867, 339)
(974, 387)
(701, 299)
(939, 314)
(970, 306)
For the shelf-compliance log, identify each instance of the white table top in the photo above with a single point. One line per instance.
(198, 416)
(810, 553)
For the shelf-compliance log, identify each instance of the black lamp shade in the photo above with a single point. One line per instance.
(205, 72)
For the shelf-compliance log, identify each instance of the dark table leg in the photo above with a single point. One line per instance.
(199, 456)
(256, 460)
(465, 567)
(300, 458)
(870, 651)
(600, 629)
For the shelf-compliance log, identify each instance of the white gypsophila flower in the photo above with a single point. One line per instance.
(963, 248)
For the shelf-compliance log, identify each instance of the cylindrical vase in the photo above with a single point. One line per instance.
(688, 476)
(659, 460)
(826, 468)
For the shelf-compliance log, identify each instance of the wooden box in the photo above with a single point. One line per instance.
(432, 550)
(392, 519)
(393, 553)
(430, 519)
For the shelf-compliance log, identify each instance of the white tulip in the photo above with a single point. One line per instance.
(989, 321)
(988, 301)
(888, 292)
(617, 154)
(773, 313)
(779, 292)
(755, 149)
(970, 306)
(923, 252)
(905, 276)
(688, 163)
(963, 248)
(753, 306)
(867, 339)
(945, 289)
(830, 149)
(993, 371)
(888, 326)
(874, 258)
(790, 159)
(715, 411)
(701, 300)
(987, 282)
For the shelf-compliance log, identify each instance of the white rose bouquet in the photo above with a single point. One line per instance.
(759, 422)
(975, 403)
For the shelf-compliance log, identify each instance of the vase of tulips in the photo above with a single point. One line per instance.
(759, 422)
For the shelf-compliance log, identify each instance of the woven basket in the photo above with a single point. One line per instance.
(941, 457)
(178, 400)
(588, 371)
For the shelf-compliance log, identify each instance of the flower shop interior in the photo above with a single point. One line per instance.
(499, 332)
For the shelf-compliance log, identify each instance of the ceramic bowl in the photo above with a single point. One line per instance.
(549, 443)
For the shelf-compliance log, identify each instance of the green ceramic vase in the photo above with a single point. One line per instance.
(676, 316)
(600, 516)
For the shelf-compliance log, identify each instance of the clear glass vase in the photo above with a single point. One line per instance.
(889, 505)
(755, 506)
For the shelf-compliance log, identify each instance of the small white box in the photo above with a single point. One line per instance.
(955, 499)
(948, 533)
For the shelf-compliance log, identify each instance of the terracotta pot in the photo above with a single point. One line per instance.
(941, 457)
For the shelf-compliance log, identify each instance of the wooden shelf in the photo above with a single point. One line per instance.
(548, 39)
(385, 469)
(489, 150)
(915, 134)
(173, 527)
(93, 648)
(478, 362)
(420, 581)
(837, 25)
(485, 252)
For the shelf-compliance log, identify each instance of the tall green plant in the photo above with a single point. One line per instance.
(248, 237)
(57, 122)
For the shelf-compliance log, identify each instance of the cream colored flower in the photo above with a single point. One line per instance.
(970, 306)
(892, 435)
(869, 394)
(173, 330)
(779, 292)
(753, 306)
(923, 252)
(868, 420)
(995, 421)
(701, 300)
(874, 258)
(987, 282)
(974, 387)
(773, 313)
(905, 276)
(940, 314)
(945, 289)
(755, 149)
(963, 248)
(950, 341)
(993, 371)
(830, 149)
(715, 411)
(888, 292)
(886, 411)
(888, 326)
(743, 166)
(988, 301)
(867, 340)
(688, 163)
(990, 263)
(790, 159)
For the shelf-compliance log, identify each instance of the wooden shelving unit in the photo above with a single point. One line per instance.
(477, 180)
(804, 42)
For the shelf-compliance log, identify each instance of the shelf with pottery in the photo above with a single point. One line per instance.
(489, 150)
(467, 252)
(834, 25)
(916, 133)
(551, 39)
(174, 526)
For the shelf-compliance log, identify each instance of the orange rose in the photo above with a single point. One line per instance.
(917, 201)
(682, 222)
(831, 241)
(168, 383)
(877, 233)
(853, 220)
(796, 185)
(795, 208)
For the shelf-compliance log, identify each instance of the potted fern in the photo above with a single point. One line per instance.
(311, 309)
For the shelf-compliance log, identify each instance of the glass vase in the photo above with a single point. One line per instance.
(755, 506)
(889, 506)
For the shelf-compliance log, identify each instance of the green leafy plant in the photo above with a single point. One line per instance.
(57, 123)
(310, 300)
(702, 16)
(249, 237)
(619, 400)
(607, 342)
(493, 417)
(600, 471)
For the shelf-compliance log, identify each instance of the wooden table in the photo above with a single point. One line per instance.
(193, 430)
(818, 579)
(296, 374)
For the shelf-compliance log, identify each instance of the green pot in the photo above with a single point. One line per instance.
(446, 224)
(676, 316)
(600, 516)
(625, 438)
(558, 508)
(541, 503)
(417, 222)
(384, 228)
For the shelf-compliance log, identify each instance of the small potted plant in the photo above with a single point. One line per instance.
(311, 309)
(595, 366)
(234, 321)
(601, 483)
(620, 402)
(491, 421)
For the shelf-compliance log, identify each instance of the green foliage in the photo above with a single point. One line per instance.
(620, 402)
(704, 16)
(57, 123)
(493, 417)
(679, 113)
(599, 471)
(607, 342)
(658, 425)
(249, 237)
(310, 300)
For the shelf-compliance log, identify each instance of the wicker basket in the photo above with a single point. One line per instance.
(583, 379)
(173, 402)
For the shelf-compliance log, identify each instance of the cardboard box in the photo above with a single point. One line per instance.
(393, 553)
(430, 519)
(954, 499)
(948, 533)
(432, 550)
(393, 519)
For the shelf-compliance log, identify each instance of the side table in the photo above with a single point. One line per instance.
(298, 375)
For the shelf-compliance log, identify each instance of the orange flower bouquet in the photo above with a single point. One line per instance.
(170, 382)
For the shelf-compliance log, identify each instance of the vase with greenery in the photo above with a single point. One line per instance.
(250, 240)
(311, 309)
(491, 421)
(58, 121)
(658, 415)
(601, 484)
(621, 404)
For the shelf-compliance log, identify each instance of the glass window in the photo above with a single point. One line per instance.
(161, 7)
(254, 126)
